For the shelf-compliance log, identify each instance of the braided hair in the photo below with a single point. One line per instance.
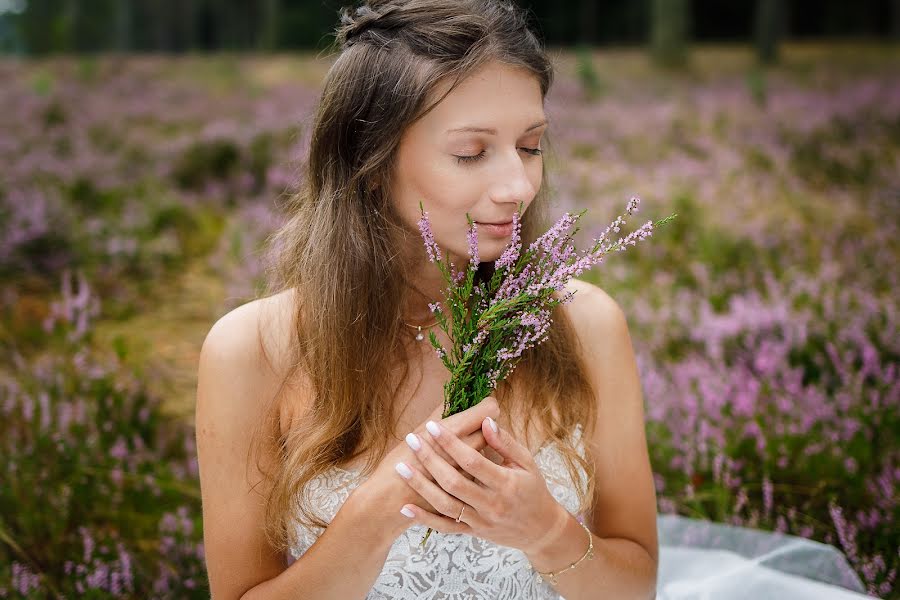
(366, 19)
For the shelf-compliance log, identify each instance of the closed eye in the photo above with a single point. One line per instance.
(480, 155)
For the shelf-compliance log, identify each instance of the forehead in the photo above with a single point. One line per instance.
(497, 95)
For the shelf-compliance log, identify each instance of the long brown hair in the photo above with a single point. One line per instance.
(338, 252)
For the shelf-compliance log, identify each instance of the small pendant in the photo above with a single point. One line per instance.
(420, 336)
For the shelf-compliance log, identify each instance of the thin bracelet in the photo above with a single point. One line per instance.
(589, 555)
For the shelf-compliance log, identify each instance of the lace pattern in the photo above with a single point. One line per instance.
(450, 566)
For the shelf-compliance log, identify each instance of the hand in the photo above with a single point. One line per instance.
(507, 504)
(387, 487)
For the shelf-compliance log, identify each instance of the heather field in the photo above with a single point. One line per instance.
(135, 194)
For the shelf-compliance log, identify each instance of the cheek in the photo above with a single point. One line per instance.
(538, 177)
(440, 189)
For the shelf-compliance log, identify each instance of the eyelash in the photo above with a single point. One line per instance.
(471, 159)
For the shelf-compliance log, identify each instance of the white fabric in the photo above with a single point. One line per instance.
(701, 560)
(698, 560)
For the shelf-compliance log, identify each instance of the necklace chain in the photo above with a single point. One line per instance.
(420, 336)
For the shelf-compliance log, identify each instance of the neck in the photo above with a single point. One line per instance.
(426, 286)
(419, 295)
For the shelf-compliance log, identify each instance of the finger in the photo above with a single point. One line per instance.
(465, 424)
(432, 493)
(508, 447)
(475, 441)
(451, 481)
(469, 460)
(439, 523)
(469, 420)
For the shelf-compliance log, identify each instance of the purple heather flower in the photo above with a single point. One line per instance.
(434, 251)
(458, 276)
(548, 240)
(511, 254)
(472, 237)
(846, 532)
(632, 205)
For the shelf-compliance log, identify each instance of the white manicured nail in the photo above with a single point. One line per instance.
(492, 424)
(407, 513)
(413, 442)
(403, 470)
(433, 428)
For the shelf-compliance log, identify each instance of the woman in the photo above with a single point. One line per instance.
(323, 455)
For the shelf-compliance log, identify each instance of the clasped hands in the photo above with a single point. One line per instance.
(508, 504)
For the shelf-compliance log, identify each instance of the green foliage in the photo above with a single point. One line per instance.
(88, 71)
(197, 230)
(49, 26)
(54, 115)
(84, 194)
(591, 83)
(215, 159)
(97, 453)
(42, 82)
(756, 85)
(756, 158)
(813, 157)
(260, 157)
(669, 30)
(768, 29)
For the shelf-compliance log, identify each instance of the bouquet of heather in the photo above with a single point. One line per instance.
(494, 322)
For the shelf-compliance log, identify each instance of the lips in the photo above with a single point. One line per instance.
(496, 229)
(496, 223)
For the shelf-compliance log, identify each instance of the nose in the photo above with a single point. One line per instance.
(513, 183)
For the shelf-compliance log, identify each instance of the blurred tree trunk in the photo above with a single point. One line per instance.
(124, 12)
(68, 25)
(554, 15)
(189, 10)
(268, 34)
(163, 27)
(895, 20)
(184, 25)
(768, 30)
(587, 22)
(223, 12)
(669, 22)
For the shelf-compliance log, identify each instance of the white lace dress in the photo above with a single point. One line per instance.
(698, 559)
(450, 566)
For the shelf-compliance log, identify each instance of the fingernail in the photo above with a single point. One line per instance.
(492, 424)
(407, 513)
(403, 470)
(433, 428)
(413, 442)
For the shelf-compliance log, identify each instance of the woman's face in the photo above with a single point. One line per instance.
(484, 173)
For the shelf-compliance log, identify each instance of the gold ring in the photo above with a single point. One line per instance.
(460, 513)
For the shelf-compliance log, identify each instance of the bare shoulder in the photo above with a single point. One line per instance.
(242, 366)
(251, 333)
(592, 310)
(236, 384)
(250, 348)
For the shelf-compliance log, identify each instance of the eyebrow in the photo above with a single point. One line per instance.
(491, 131)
